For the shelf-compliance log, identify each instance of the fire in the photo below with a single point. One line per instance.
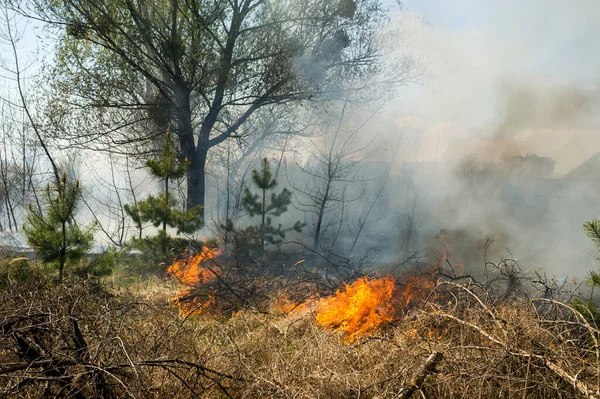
(283, 304)
(416, 288)
(189, 271)
(192, 272)
(360, 309)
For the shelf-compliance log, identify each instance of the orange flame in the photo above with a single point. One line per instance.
(416, 288)
(284, 304)
(191, 272)
(360, 309)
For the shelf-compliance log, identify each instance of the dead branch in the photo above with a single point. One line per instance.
(427, 368)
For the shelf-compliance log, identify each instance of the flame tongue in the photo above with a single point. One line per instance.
(193, 273)
(189, 271)
(360, 309)
(416, 288)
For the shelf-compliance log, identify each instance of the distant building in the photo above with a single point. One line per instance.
(531, 166)
(588, 170)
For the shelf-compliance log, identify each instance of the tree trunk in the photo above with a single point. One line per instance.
(167, 204)
(228, 200)
(262, 225)
(320, 216)
(63, 252)
(196, 154)
(196, 179)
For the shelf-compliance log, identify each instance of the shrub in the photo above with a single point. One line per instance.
(266, 207)
(99, 266)
(53, 232)
(163, 210)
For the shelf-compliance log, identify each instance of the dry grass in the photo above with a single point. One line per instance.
(84, 340)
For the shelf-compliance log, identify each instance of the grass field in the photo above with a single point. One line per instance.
(104, 338)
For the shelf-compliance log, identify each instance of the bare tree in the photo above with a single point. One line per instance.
(365, 216)
(106, 200)
(407, 220)
(12, 35)
(8, 187)
(230, 194)
(371, 202)
(329, 172)
(18, 151)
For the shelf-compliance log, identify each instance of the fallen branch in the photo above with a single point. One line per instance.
(579, 385)
(52, 364)
(427, 368)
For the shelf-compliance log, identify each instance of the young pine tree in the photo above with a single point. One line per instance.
(589, 308)
(163, 210)
(265, 207)
(592, 230)
(53, 233)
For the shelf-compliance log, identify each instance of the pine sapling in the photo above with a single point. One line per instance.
(163, 210)
(54, 233)
(266, 207)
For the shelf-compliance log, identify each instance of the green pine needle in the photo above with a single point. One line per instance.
(592, 230)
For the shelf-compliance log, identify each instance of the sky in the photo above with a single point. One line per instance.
(504, 78)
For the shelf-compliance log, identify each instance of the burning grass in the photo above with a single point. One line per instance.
(360, 308)
(85, 340)
(211, 286)
(357, 309)
(193, 272)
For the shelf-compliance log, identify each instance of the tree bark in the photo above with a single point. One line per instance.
(322, 207)
(195, 153)
(196, 179)
(63, 252)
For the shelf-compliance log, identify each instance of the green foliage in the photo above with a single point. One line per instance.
(99, 266)
(53, 232)
(589, 310)
(19, 270)
(227, 229)
(151, 255)
(169, 165)
(164, 210)
(152, 247)
(211, 66)
(592, 230)
(264, 181)
(133, 211)
(247, 244)
(277, 204)
(593, 279)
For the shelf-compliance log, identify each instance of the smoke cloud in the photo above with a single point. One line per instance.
(507, 79)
